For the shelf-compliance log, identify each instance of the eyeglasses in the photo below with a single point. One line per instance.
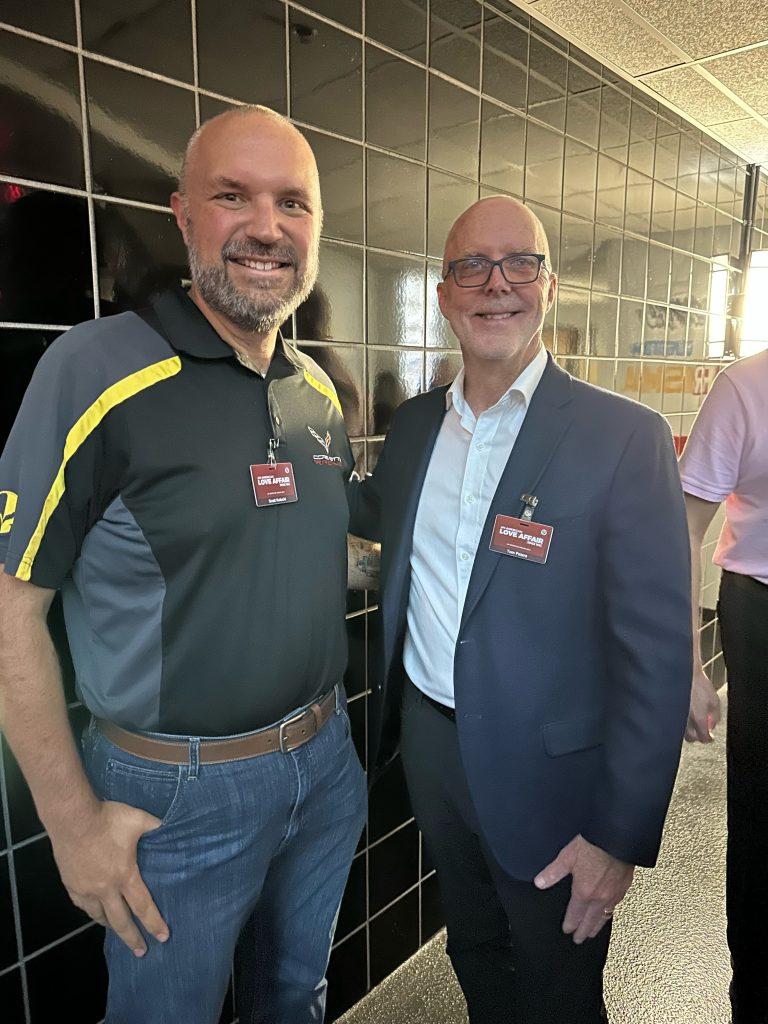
(475, 271)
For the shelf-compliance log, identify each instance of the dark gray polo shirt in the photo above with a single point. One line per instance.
(126, 482)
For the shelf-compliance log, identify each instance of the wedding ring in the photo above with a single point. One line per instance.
(608, 911)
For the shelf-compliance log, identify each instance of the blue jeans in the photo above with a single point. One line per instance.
(251, 861)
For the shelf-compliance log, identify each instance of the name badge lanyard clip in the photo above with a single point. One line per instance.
(276, 440)
(530, 501)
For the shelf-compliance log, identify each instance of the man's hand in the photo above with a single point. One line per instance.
(600, 883)
(705, 709)
(101, 875)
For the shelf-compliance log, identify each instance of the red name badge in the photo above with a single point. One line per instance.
(521, 538)
(273, 485)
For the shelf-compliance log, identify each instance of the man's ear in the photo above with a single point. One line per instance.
(177, 205)
(551, 290)
(441, 296)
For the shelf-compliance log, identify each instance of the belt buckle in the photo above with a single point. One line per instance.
(285, 748)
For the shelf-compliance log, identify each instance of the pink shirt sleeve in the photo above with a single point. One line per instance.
(709, 465)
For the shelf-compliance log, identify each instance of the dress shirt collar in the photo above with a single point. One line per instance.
(524, 385)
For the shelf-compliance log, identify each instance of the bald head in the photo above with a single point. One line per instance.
(254, 119)
(495, 210)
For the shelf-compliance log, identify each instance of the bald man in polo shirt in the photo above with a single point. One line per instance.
(175, 472)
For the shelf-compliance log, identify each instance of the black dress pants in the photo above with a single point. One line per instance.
(743, 613)
(505, 938)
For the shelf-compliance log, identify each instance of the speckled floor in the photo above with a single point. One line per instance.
(668, 962)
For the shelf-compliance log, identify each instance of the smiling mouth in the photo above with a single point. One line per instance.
(497, 316)
(264, 265)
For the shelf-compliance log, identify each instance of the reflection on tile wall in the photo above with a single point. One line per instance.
(414, 109)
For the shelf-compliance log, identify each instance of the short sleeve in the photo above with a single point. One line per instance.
(710, 463)
(47, 473)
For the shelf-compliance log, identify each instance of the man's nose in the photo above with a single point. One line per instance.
(497, 282)
(264, 222)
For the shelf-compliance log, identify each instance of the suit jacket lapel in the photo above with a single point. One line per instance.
(412, 463)
(546, 421)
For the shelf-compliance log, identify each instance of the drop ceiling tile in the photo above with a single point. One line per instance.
(747, 136)
(608, 31)
(694, 94)
(702, 28)
(746, 74)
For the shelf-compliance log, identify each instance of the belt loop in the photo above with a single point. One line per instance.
(194, 757)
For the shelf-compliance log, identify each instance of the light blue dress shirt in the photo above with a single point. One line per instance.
(464, 471)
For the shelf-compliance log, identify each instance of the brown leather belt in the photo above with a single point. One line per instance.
(287, 736)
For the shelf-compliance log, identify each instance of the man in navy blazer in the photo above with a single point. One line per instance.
(536, 633)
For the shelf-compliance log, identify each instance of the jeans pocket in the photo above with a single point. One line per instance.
(158, 790)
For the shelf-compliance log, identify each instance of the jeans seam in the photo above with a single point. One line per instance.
(290, 830)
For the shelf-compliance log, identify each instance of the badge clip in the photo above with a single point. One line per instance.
(271, 445)
(530, 501)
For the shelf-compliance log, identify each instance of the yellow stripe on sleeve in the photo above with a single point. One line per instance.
(83, 428)
(329, 393)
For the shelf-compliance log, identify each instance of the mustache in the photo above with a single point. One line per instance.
(256, 251)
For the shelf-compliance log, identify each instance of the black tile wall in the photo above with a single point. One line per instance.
(138, 129)
(326, 76)
(241, 50)
(334, 311)
(46, 911)
(157, 37)
(401, 25)
(8, 949)
(68, 981)
(12, 997)
(502, 149)
(42, 290)
(454, 39)
(394, 936)
(341, 172)
(54, 20)
(41, 128)
(414, 109)
(394, 866)
(347, 973)
(396, 203)
(453, 127)
(138, 253)
(388, 124)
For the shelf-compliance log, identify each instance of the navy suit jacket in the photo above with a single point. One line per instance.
(572, 678)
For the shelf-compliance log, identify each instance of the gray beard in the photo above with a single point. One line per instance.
(243, 309)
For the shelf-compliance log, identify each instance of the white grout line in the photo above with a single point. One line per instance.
(5, 812)
(88, 169)
(195, 60)
(12, 325)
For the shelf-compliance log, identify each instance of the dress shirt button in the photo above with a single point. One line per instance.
(481, 446)
(465, 556)
(470, 499)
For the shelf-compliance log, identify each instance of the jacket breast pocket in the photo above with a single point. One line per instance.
(573, 734)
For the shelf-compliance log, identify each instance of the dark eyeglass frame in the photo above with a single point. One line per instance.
(540, 256)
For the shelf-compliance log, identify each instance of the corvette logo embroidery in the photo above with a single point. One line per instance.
(325, 443)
